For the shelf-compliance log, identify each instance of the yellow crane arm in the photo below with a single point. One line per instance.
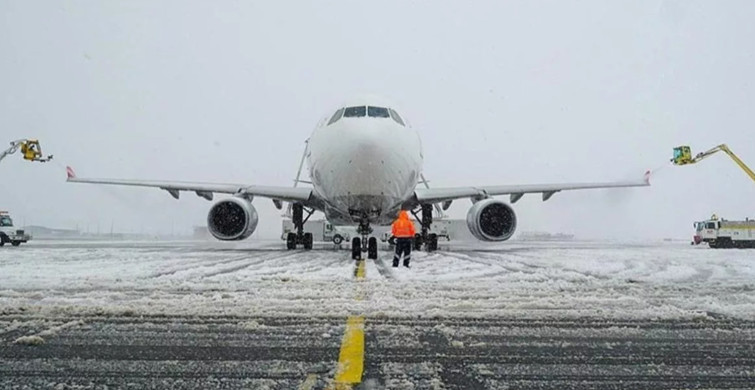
(739, 162)
(708, 153)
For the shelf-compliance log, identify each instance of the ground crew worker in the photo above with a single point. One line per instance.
(403, 230)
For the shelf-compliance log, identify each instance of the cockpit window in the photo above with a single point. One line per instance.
(377, 112)
(396, 118)
(353, 112)
(336, 117)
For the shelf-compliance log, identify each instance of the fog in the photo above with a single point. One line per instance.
(502, 93)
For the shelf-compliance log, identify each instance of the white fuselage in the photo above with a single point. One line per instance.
(364, 167)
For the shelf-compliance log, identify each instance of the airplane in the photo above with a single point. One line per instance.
(365, 162)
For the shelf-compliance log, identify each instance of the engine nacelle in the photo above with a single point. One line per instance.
(232, 219)
(491, 220)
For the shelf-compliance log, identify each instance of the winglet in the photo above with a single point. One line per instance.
(70, 173)
(647, 177)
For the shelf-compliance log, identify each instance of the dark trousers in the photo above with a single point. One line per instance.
(403, 248)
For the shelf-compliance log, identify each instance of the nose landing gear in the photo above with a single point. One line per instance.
(364, 243)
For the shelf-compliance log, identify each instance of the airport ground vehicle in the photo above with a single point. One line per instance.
(30, 148)
(9, 234)
(721, 233)
(320, 230)
(683, 156)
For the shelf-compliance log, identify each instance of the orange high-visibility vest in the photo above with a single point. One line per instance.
(403, 227)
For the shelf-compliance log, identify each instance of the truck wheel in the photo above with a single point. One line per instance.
(337, 239)
(15, 243)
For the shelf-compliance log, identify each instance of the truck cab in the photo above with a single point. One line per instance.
(9, 234)
(706, 231)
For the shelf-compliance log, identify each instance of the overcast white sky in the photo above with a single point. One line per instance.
(501, 92)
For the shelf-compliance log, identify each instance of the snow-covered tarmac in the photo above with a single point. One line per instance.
(549, 315)
(512, 280)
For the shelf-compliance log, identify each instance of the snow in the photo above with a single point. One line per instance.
(532, 279)
(29, 340)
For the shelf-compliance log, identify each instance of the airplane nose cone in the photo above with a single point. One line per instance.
(367, 162)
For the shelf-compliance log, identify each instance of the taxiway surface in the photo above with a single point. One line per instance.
(193, 315)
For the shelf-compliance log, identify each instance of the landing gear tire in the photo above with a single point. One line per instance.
(372, 248)
(308, 241)
(291, 241)
(356, 248)
(15, 243)
(337, 239)
(2, 242)
(417, 242)
(432, 242)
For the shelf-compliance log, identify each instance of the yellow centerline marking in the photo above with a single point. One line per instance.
(359, 271)
(351, 358)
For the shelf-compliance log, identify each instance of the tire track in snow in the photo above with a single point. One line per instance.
(198, 264)
(383, 269)
(256, 261)
(499, 263)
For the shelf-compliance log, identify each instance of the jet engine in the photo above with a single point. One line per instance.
(491, 220)
(232, 219)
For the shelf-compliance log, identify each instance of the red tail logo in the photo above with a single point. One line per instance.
(71, 174)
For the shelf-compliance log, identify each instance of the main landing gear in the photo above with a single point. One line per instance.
(364, 243)
(299, 237)
(429, 240)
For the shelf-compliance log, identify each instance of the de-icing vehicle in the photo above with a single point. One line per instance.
(30, 149)
(721, 233)
(9, 234)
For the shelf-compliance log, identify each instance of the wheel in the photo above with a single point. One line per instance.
(356, 248)
(432, 242)
(308, 241)
(15, 243)
(372, 248)
(417, 242)
(2, 242)
(337, 239)
(291, 241)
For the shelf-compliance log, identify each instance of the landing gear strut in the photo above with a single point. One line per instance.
(297, 217)
(429, 240)
(364, 243)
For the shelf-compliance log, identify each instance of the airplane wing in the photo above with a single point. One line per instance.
(206, 190)
(439, 195)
